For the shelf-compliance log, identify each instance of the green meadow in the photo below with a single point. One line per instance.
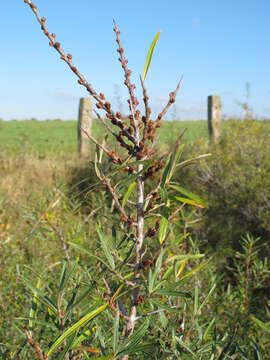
(52, 136)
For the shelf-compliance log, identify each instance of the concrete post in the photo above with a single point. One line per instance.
(85, 122)
(214, 117)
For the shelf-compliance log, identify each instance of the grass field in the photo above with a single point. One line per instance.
(56, 136)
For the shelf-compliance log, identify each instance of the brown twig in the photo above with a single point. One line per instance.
(133, 101)
(171, 100)
(118, 137)
(107, 182)
(172, 216)
(67, 58)
(111, 154)
(145, 118)
(36, 347)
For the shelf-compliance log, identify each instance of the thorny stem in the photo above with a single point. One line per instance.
(136, 147)
(139, 244)
(133, 102)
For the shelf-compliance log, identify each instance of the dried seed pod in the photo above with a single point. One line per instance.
(118, 115)
(140, 299)
(107, 105)
(73, 68)
(109, 116)
(150, 233)
(57, 45)
(99, 105)
(172, 97)
(137, 114)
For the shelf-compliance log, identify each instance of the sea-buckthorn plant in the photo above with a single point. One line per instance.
(135, 278)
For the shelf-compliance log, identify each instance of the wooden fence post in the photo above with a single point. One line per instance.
(85, 122)
(214, 117)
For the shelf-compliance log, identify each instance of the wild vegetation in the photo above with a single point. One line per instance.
(141, 250)
(53, 201)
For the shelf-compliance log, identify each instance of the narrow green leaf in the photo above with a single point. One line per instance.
(196, 299)
(194, 271)
(185, 346)
(78, 247)
(164, 306)
(66, 274)
(144, 348)
(206, 298)
(186, 257)
(105, 248)
(153, 278)
(134, 339)
(193, 160)
(96, 162)
(162, 230)
(160, 284)
(72, 303)
(212, 322)
(163, 319)
(116, 331)
(41, 297)
(37, 322)
(150, 281)
(32, 313)
(128, 193)
(172, 292)
(199, 330)
(189, 194)
(166, 170)
(164, 199)
(63, 276)
(67, 347)
(261, 324)
(149, 56)
(82, 322)
(168, 272)
(257, 353)
(176, 154)
(86, 334)
(188, 201)
(171, 164)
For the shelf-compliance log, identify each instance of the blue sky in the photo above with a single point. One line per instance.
(216, 45)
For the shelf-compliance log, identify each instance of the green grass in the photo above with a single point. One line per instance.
(56, 136)
(38, 136)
